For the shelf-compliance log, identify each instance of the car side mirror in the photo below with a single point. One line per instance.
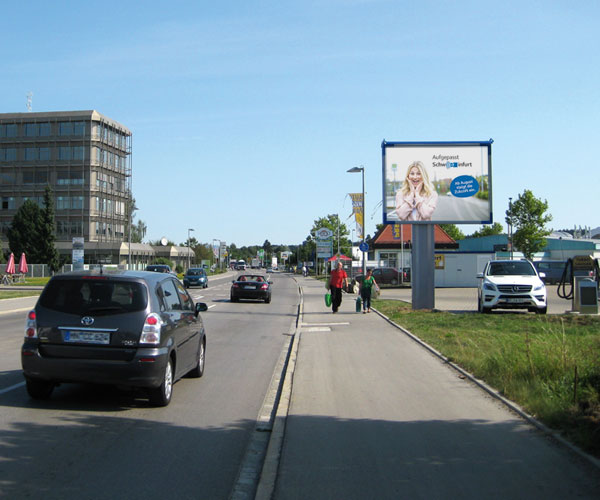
(542, 275)
(270, 282)
(480, 275)
(200, 307)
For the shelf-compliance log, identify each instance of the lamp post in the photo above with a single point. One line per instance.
(354, 170)
(189, 257)
(510, 227)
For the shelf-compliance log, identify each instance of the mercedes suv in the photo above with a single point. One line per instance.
(511, 284)
(125, 328)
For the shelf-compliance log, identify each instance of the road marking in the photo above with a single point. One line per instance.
(317, 329)
(214, 305)
(12, 387)
(325, 324)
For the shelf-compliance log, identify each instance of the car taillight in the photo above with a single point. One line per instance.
(264, 286)
(235, 285)
(151, 330)
(31, 326)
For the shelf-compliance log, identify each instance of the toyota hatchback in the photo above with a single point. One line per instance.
(126, 328)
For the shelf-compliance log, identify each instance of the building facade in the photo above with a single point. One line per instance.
(85, 157)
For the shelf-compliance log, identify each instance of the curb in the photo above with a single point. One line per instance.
(495, 394)
(268, 477)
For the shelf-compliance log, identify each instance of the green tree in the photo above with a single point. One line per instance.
(23, 234)
(47, 233)
(453, 231)
(528, 218)
(488, 230)
(331, 222)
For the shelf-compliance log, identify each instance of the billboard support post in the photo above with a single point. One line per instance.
(423, 285)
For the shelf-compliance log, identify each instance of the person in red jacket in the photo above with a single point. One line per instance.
(338, 279)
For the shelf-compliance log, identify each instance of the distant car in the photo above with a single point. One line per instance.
(269, 269)
(251, 286)
(159, 268)
(240, 267)
(125, 328)
(386, 276)
(511, 284)
(552, 269)
(195, 276)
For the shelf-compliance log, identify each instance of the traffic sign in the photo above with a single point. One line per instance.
(364, 246)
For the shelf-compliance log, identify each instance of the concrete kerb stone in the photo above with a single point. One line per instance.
(268, 477)
(495, 394)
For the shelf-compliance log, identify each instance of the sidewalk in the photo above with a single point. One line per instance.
(373, 415)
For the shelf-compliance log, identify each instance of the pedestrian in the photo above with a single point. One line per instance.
(304, 271)
(366, 286)
(338, 279)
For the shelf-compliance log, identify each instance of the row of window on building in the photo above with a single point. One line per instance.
(104, 182)
(99, 131)
(64, 153)
(103, 205)
(69, 228)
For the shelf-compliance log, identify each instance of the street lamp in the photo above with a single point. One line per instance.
(190, 229)
(510, 227)
(355, 170)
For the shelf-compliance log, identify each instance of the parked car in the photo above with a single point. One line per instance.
(386, 276)
(195, 276)
(511, 284)
(552, 269)
(159, 268)
(126, 328)
(251, 286)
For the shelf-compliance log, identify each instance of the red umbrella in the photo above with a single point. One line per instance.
(10, 265)
(23, 264)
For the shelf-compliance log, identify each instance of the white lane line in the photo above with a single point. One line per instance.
(214, 305)
(325, 324)
(12, 388)
(317, 329)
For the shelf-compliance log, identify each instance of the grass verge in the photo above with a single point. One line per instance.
(549, 365)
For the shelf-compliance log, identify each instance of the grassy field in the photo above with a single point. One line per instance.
(549, 365)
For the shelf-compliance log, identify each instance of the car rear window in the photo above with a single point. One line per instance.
(94, 296)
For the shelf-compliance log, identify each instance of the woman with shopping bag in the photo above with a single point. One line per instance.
(367, 286)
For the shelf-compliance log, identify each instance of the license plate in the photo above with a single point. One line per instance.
(87, 337)
(515, 301)
(247, 287)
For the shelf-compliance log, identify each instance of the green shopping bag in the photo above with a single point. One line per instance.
(328, 299)
(358, 304)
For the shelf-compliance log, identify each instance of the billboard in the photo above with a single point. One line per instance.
(437, 182)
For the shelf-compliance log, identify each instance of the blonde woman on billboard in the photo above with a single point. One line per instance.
(417, 198)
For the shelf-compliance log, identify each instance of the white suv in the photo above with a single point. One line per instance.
(511, 284)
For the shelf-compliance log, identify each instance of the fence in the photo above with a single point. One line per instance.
(42, 270)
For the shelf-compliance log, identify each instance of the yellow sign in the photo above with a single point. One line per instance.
(440, 261)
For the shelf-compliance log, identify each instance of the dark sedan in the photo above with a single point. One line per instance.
(251, 286)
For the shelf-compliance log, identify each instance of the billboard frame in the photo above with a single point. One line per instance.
(441, 144)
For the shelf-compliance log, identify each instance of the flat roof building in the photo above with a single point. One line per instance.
(85, 157)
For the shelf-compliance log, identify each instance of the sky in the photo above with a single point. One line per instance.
(246, 115)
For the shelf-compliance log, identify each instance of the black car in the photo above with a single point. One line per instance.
(388, 276)
(159, 268)
(251, 286)
(195, 276)
(126, 328)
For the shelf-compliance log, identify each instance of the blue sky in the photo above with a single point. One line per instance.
(247, 115)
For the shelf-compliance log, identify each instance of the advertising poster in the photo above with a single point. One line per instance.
(437, 183)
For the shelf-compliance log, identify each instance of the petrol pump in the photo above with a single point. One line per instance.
(579, 282)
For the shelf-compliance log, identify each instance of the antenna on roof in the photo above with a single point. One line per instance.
(29, 101)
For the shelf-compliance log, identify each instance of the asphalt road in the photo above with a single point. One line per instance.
(99, 442)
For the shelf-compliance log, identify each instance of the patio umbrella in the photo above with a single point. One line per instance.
(23, 264)
(10, 265)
